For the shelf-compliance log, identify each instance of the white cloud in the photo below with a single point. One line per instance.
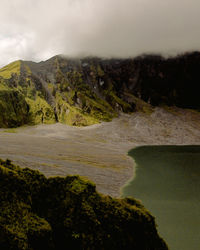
(36, 30)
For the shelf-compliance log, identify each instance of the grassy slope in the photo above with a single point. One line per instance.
(90, 110)
(10, 69)
(40, 111)
(83, 106)
(19, 101)
(59, 213)
(66, 91)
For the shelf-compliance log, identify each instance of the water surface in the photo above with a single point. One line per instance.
(167, 181)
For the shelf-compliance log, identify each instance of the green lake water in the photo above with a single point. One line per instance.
(167, 181)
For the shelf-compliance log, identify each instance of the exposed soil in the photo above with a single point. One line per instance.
(98, 151)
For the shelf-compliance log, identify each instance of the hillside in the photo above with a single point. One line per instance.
(67, 213)
(90, 90)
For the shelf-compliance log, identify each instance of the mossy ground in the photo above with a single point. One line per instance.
(60, 213)
(11, 130)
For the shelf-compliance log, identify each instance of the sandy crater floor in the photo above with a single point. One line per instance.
(99, 151)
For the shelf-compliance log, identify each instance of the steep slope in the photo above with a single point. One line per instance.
(10, 69)
(20, 102)
(14, 109)
(67, 213)
(89, 90)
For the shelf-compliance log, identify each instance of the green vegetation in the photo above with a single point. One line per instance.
(141, 105)
(3, 85)
(72, 115)
(11, 130)
(67, 213)
(78, 105)
(117, 102)
(12, 68)
(40, 111)
(74, 92)
(86, 91)
(75, 102)
(96, 107)
(13, 109)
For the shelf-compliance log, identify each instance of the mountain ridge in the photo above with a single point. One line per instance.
(86, 91)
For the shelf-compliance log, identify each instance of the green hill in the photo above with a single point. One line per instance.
(51, 95)
(12, 68)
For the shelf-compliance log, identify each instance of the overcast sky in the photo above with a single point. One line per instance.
(39, 29)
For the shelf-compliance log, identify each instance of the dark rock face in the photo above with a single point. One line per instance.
(172, 81)
(67, 213)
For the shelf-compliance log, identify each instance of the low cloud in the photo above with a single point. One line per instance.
(39, 29)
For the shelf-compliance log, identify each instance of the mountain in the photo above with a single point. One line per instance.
(89, 90)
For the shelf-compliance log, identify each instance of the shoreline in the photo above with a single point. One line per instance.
(99, 152)
(167, 183)
(134, 165)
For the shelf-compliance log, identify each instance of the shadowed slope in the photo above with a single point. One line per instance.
(60, 213)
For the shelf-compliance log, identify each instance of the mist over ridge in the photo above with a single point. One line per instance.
(37, 30)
